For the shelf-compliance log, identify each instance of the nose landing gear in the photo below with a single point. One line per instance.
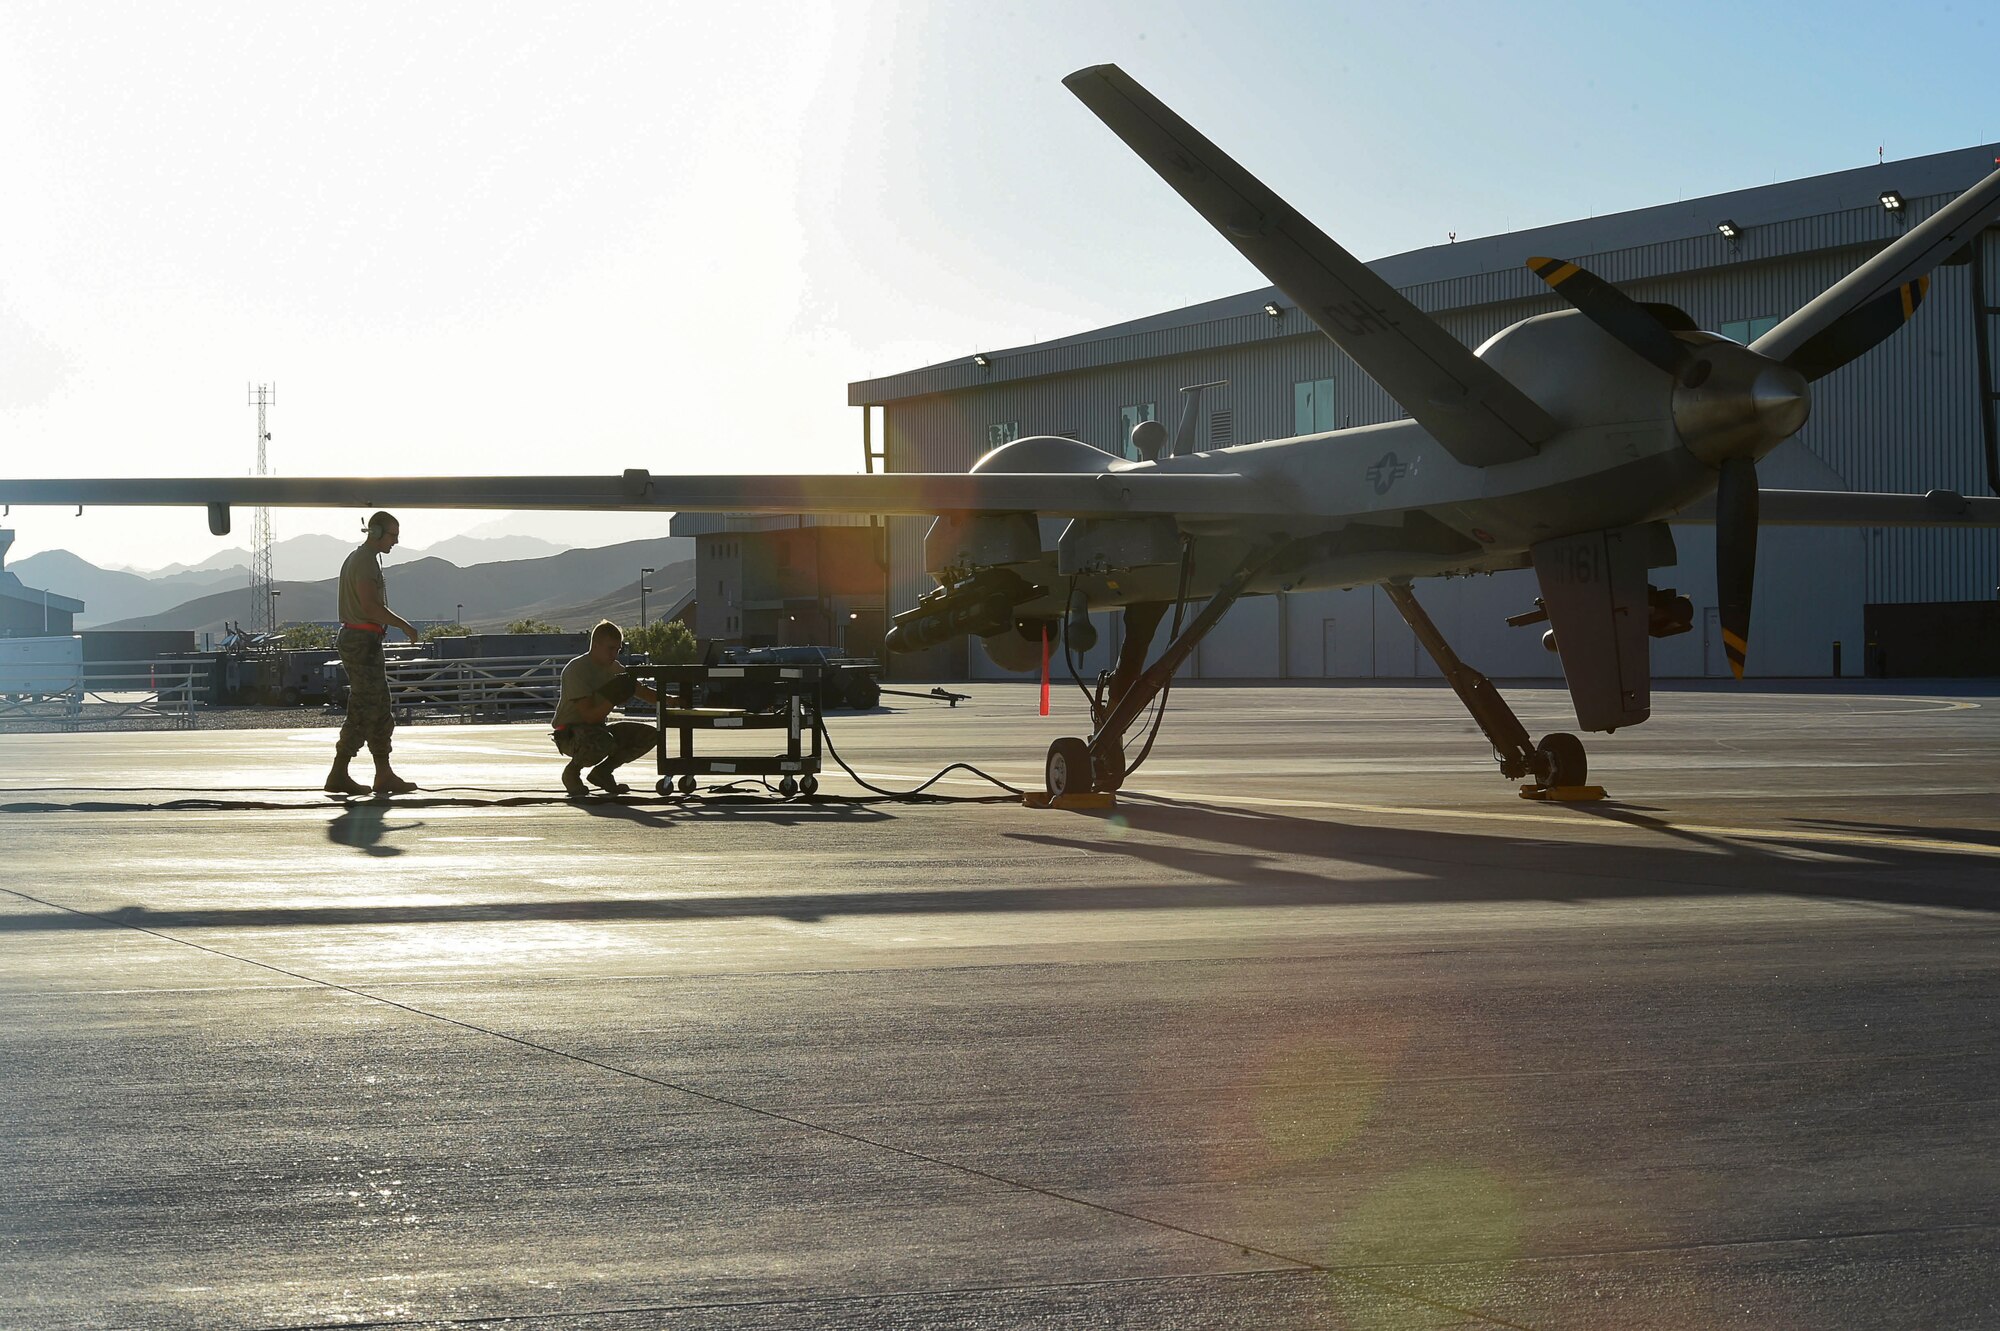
(1096, 767)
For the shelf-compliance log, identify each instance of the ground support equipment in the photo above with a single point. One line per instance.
(1562, 794)
(797, 768)
(938, 694)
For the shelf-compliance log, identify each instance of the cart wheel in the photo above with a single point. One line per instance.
(788, 787)
(665, 786)
(687, 785)
(809, 786)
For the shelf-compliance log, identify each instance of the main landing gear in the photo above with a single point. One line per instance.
(1557, 765)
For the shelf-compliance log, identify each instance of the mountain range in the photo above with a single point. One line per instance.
(571, 588)
(313, 556)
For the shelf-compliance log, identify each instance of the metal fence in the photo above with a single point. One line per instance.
(491, 688)
(78, 694)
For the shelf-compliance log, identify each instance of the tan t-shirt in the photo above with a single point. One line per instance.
(362, 567)
(581, 679)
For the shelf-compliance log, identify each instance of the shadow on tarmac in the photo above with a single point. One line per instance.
(361, 827)
(1464, 867)
(1250, 859)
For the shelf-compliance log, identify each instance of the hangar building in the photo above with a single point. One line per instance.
(1916, 413)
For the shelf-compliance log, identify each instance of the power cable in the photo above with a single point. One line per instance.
(1173, 635)
(1069, 658)
(916, 792)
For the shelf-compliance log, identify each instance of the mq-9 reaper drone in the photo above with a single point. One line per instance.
(1564, 444)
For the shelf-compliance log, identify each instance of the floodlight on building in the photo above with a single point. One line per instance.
(1892, 201)
(982, 361)
(1275, 310)
(1729, 229)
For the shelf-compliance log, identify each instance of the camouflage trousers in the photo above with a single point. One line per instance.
(594, 744)
(369, 719)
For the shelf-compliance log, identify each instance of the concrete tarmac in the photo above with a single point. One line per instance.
(1321, 1027)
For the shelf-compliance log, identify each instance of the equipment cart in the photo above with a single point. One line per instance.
(795, 687)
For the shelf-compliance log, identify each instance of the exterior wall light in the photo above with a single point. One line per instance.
(1272, 308)
(982, 361)
(1892, 201)
(1729, 229)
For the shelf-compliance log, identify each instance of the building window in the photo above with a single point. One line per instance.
(1747, 331)
(1130, 416)
(1312, 406)
(1002, 432)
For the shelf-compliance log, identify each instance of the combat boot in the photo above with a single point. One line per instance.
(339, 783)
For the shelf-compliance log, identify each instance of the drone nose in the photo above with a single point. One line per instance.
(1781, 401)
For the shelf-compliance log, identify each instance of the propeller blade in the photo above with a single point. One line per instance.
(1883, 278)
(1858, 330)
(1637, 327)
(1736, 556)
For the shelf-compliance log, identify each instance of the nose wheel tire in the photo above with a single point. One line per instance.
(1560, 761)
(1067, 771)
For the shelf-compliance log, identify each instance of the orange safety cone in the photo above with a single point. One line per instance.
(1045, 670)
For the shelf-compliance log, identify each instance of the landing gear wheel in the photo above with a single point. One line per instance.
(1560, 761)
(809, 786)
(686, 785)
(1067, 771)
(1107, 766)
(788, 787)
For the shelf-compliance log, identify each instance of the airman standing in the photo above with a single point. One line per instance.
(365, 621)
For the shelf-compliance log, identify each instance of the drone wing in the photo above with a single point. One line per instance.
(1847, 508)
(1465, 404)
(1106, 493)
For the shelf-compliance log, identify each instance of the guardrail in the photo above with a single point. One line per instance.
(74, 695)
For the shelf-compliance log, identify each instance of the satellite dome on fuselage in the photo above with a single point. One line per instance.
(1576, 371)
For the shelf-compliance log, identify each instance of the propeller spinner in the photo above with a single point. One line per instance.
(1731, 406)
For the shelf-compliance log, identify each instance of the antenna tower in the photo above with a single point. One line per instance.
(263, 585)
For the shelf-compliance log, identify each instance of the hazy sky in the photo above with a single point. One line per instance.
(579, 238)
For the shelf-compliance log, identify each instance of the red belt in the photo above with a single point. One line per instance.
(365, 628)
